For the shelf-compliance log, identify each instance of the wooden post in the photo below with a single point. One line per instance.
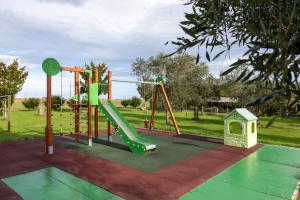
(169, 108)
(48, 129)
(89, 107)
(8, 112)
(109, 128)
(96, 107)
(77, 107)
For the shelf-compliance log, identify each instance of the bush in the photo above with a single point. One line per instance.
(31, 103)
(126, 102)
(56, 102)
(135, 102)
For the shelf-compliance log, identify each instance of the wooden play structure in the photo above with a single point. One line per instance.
(240, 128)
(116, 120)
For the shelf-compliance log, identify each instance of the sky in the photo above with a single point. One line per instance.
(76, 32)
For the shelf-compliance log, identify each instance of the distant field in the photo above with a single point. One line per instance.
(27, 124)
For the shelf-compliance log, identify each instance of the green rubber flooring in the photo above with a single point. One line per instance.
(170, 150)
(52, 183)
(270, 173)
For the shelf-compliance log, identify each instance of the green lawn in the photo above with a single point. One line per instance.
(27, 124)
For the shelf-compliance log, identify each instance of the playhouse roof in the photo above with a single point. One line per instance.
(246, 114)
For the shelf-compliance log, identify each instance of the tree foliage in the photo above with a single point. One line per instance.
(268, 31)
(102, 68)
(31, 103)
(56, 102)
(135, 102)
(12, 78)
(187, 84)
(126, 102)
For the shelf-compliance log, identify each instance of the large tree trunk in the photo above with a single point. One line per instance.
(186, 110)
(196, 113)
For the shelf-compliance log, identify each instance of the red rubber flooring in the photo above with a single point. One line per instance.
(166, 183)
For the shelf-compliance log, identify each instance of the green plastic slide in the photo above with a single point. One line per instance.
(130, 136)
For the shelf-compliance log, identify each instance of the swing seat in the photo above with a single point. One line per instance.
(146, 124)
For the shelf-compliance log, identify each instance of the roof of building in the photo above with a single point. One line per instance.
(246, 114)
(223, 100)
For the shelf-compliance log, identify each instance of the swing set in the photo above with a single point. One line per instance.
(158, 88)
(115, 119)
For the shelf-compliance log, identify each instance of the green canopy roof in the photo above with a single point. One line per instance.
(246, 114)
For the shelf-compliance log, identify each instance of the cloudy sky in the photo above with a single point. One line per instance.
(78, 31)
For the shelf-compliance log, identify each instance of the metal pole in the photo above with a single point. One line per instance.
(48, 129)
(109, 128)
(128, 81)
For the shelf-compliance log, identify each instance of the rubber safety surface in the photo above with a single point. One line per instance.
(271, 173)
(53, 183)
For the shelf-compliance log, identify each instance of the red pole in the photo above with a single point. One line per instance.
(89, 112)
(109, 128)
(48, 129)
(96, 107)
(77, 111)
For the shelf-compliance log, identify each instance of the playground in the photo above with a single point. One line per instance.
(124, 162)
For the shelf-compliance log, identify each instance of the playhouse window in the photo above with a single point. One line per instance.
(253, 127)
(235, 128)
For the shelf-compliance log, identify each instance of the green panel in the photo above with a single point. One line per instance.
(272, 170)
(89, 72)
(160, 79)
(90, 190)
(216, 190)
(36, 186)
(94, 94)
(51, 66)
(52, 183)
(265, 177)
(280, 155)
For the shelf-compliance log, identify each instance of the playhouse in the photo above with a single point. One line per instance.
(240, 128)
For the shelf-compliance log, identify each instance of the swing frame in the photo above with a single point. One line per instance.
(159, 88)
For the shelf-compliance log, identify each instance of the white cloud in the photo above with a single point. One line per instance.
(7, 58)
(78, 31)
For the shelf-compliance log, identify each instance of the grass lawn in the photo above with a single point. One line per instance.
(26, 124)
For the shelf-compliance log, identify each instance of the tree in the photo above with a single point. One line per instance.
(267, 30)
(126, 102)
(102, 68)
(140, 69)
(135, 102)
(12, 78)
(200, 88)
(56, 102)
(187, 83)
(31, 103)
